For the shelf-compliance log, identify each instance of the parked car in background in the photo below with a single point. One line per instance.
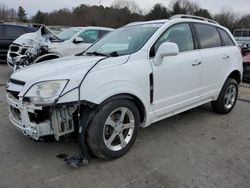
(246, 62)
(242, 36)
(46, 45)
(9, 33)
(133, 77)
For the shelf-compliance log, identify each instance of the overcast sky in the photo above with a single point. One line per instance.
(214, 6)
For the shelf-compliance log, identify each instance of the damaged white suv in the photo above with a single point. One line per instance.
(32, 48)
(135, 76)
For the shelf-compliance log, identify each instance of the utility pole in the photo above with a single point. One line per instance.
(100, 2)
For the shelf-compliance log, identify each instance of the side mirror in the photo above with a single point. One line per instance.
(78, 40)
(165, 49)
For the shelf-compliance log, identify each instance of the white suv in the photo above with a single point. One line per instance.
(43, 45)
(135, 76)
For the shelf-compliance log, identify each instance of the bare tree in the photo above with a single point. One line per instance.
(184, 7)
(227, 18)
(130, 5)
(7, 14)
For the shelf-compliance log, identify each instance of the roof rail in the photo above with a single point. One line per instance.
(193, 17)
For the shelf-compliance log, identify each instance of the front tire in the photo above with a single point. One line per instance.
(113, 129)
(227, 98)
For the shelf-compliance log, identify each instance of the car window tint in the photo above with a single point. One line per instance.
(237, 33)
(103, 32)
(1, 32)
(180, 34)
(208, 36)
(13, 32)
(226, 38)
(89, 36)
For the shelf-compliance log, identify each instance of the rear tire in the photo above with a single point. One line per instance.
(227, 98)
(113, 129)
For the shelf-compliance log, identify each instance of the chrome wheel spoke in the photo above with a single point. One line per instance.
(110, 122)
(111, 139)
(119, 128)
(122, 140)
(230, 96)
(124, 111)
(129, 125)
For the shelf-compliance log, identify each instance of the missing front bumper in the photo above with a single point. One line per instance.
(36, 121)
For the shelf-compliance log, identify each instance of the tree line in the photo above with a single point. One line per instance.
(122, 12)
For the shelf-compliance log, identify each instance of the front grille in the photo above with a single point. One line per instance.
(18, 82)
(13, 55)
(14, 48)
(23, 51)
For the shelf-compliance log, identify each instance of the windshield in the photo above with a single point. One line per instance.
(123, 41)
(68, 33)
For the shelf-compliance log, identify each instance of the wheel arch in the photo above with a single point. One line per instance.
(236, 74)
(139, 104)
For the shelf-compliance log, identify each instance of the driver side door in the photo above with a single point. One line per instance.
(177, 81)
(89, 37)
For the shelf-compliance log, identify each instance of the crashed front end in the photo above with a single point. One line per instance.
(28, 47)
(37, 121)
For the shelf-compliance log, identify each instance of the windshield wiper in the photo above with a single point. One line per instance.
(97, 54)
(112, 54)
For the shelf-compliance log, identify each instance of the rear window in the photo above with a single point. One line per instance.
(13, 32)
(226, 38)
(246, 33)
(237, 33)
(208, 36)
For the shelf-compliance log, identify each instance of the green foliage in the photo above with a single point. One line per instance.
(125, 11)
(158, 12)
(21, 14)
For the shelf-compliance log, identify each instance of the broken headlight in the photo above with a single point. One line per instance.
(46, 92)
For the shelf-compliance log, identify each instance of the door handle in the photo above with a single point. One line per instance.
(226, 57)
(196, 64)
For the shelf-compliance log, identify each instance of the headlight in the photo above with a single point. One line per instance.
(46, 92)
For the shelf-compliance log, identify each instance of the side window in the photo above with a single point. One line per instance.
(238, 33)
(89, 36)
(180, 34)
(226, 38)
(208, 35)
(245, 33)
(1, 31)
(103, 32)
(13, 32)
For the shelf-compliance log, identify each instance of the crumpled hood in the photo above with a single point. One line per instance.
(42, 35)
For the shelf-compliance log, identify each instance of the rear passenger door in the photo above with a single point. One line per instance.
(215, 59)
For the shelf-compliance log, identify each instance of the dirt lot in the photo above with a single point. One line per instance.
(197, 148)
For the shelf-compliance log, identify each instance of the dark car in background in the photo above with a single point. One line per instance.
(246, 65)
(245, 50)
(9, 33)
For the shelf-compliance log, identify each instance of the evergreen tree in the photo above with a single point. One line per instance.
(21, 14)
